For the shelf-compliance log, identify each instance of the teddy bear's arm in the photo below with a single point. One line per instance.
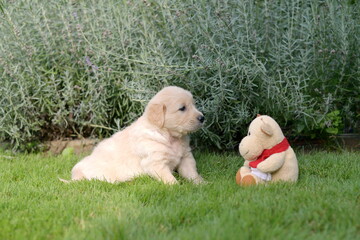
(272, 163)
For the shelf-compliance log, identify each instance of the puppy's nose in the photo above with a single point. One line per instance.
(201, 118)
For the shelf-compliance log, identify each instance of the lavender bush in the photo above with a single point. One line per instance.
(87, 68)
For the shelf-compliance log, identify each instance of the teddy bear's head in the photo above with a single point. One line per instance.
(264, 133)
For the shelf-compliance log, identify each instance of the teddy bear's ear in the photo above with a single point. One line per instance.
(266, 128)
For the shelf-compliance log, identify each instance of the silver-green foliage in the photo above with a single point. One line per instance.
(82, 67)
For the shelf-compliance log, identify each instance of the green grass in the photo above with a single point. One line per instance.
(324, 204)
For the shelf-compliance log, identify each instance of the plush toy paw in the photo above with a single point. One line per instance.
(245, 180)
(248, 180)
(238, 177)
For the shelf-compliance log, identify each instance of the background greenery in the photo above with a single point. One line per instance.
(86, 68)
(324, 204)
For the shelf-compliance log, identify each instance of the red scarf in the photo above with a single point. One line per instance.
(278, 148)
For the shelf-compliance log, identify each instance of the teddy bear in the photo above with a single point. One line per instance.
(267, 153)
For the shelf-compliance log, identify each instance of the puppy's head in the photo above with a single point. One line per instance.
(173, 108)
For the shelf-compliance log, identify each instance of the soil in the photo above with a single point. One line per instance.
(80, 146)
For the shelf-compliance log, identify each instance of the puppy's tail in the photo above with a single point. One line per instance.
(65, 181)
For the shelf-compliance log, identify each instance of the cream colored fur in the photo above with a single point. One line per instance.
(264, 133)
(156, 144)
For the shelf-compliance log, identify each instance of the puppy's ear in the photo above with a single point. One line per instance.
(156, 114)
(266, 128)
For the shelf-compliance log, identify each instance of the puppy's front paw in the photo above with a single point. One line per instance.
(199, 180)
(171, 181)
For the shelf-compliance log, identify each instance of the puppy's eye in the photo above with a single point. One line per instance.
(249, 133)
(182, 108)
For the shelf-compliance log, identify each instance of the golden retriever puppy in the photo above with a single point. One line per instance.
(156, 144)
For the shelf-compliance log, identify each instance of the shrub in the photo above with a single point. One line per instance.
(86, 68)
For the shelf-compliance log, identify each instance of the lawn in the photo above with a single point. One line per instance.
(324, 204)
